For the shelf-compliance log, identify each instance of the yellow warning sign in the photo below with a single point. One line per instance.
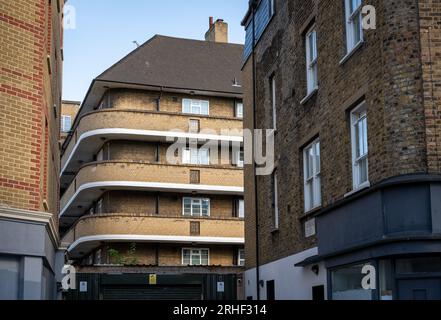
(152, 279)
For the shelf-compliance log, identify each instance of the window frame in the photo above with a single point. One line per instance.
(237, 158)
(311, 62)
(191, 255)
(272, 8)
(350, 25)
(239, 215)
(192, 202)
(358, 114)
(239, 259)
(275, 190)
(239, 115)
(193, 103)
(187, 153)
(63, 123)
(273, 95)
(314, 179)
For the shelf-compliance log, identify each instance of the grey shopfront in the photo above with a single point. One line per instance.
(394, 227)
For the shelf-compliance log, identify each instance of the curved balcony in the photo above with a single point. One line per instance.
(96, 127)
(94, 179)
(90, 231)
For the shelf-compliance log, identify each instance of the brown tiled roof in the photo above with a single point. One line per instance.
(182, 64)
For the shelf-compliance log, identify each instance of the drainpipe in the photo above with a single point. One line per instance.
(256, 204)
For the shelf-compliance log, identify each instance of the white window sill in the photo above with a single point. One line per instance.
(362, 187)
(351, 53)
(309, 96)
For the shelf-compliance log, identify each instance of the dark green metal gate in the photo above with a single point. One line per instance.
(168, 287)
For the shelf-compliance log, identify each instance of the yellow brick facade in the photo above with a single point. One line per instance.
(30, 71)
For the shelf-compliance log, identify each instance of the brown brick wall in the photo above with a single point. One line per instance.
(146, 152)
(430, 35)
(29, 150)
(165, 255)
(386, 71)
(222, 207)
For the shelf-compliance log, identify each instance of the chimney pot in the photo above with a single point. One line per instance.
(211, 22)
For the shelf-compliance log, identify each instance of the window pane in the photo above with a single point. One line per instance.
(313, 45)
(239, 110)
(363, 170)
(418, 265)
(186, 156)
(317, 157)
(204, 108)
(204, 258)
(206, 207)
(357, 29)
(353, 5)
(241, 209)
(204, 156)
(317, 192)
(194, 156)
(196, 207)
(310, 162)
(187, 206)
(186, 257)
(346, 284)
(186, 105)
(195, 260)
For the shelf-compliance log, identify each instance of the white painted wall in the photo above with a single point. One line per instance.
(291, 283)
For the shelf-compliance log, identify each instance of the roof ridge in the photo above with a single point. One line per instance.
(198, 40)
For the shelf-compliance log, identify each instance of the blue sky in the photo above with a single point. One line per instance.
(105, 31)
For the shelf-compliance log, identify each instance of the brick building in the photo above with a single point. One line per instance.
(357, 145)
(30, 98)
(170, 222)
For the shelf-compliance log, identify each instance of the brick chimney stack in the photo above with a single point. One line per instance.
(217, 32)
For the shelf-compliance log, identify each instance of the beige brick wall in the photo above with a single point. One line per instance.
(148, 120)
(170, 102)
(69, 108)
(29, 132)
(138, 172)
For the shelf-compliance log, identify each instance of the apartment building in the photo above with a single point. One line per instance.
(69, 110)
(355, 191)
(30, 98)
(152, 174)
